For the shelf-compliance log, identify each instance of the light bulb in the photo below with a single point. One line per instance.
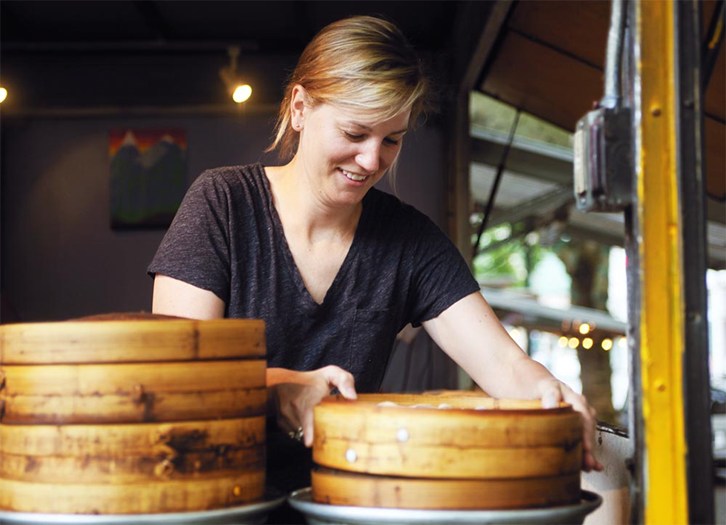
(241, 93)
(3, 94)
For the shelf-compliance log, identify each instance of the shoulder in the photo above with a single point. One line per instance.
(385, 204)
(231, 175)
(230, 182)
(391, 213)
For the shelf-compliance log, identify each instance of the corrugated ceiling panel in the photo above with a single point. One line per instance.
(543, 82)
(573, 26)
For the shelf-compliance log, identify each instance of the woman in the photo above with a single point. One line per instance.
(334, 266)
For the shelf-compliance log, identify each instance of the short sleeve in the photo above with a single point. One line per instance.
(440, 274)
(196, 247)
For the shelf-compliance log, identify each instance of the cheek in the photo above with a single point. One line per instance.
(388, 156)
(339, 149)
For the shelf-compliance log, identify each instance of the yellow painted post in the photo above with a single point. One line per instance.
(662, 323)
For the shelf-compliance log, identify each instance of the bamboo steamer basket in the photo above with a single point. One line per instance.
(132, 414)
(450, 450)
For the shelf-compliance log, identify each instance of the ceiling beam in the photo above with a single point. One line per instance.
(128, 46)
(538, 206)
(513, 302)
(475, 41)
(524, 161)
(477, 27)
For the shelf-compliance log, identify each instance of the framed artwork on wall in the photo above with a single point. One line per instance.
(148, 176)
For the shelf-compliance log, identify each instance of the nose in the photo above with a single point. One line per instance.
(369, 156)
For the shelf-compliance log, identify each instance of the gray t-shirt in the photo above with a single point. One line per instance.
(227, 238)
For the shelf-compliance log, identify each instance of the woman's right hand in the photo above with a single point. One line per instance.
(294, 395)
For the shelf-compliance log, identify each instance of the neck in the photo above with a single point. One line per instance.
(300, 207)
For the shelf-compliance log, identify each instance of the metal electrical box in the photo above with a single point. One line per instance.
(603, 160)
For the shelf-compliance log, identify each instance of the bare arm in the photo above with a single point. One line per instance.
(471, 334)
(175, 297)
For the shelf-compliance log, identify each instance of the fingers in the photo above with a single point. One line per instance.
(552, 392)
(590, 463)
(343, 380)
(589, 416)
(551, 399)
(307, 426)
(297, 396)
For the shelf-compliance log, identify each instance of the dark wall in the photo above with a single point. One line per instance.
(60, 257)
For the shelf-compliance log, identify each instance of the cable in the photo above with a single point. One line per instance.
(495, 186)
(613, 91)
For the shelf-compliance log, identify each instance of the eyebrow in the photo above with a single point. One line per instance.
(368, 128)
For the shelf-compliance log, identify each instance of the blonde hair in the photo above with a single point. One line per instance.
(361, 63)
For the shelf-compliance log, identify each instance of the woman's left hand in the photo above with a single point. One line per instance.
(552, 392)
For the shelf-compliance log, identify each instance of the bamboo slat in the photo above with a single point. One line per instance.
(134, 340)
(460, 428)
(132, 439)
(133, 498)
(454, 399)
(130, 453)
(128, 379)
(446, 460)
(184, 406)
(340, 488)
(114, 393)
(123, 469)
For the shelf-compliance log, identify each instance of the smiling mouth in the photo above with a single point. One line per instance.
(353, 176)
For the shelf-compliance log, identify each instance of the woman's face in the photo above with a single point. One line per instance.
(344, 153)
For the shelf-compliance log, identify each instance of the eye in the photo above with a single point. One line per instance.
(355, 137)
(391, 141)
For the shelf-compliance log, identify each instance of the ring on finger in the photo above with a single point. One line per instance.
(297, 434)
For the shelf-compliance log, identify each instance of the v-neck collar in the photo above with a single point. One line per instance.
(281, 242)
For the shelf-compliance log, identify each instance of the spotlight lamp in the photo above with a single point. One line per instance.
(3, 94)
(241, 93)
(238, 89)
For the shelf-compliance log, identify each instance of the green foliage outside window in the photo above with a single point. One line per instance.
(507, 255)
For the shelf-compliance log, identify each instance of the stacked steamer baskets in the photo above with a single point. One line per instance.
(445, 451)
(131, 414)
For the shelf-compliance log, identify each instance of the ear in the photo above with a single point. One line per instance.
(298, 105)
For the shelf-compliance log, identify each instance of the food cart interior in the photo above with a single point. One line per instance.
(493, 167)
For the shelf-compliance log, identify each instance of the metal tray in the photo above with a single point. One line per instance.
(324, 514)
(252, 514)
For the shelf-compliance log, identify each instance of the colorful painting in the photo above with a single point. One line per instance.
(148, 176)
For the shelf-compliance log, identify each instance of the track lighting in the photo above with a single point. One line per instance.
(241, 93)
(238, 89)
